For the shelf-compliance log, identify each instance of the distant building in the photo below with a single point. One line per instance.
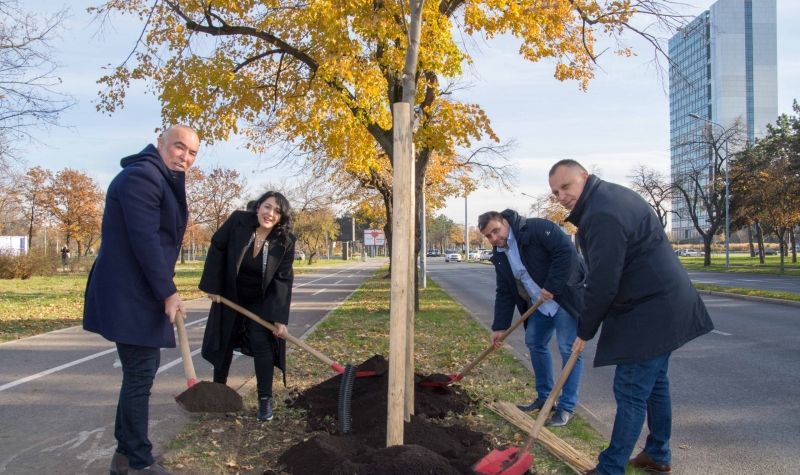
(724, 68)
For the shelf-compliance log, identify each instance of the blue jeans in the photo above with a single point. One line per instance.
(640, 389)
(139, 366)
(537, 338)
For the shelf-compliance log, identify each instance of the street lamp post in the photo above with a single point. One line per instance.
(727, 194)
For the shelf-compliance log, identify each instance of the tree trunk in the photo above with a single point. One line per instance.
(760, 237)
(707, 247)
(793, 243)
(750, 240)
(782, 246)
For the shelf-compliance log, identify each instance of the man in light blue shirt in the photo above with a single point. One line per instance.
(534, 259)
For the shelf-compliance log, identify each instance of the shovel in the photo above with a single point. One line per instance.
(203, 396)
(441, 380)
(513, 461)
(338, 368)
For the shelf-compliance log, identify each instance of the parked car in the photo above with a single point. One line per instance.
(474, 255)
(768, 251)
(452, 257)
(299, 255)
(690, 253)
(486, 254)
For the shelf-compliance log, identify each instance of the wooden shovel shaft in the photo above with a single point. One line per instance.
(490, 349)
(551, 399)
(289, 337)
(186, 354)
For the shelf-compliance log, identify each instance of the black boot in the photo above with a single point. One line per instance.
(264, 409)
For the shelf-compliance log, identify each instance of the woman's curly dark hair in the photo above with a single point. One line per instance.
(286, 224)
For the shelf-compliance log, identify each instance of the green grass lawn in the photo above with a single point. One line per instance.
(742, 262)
(42, 304)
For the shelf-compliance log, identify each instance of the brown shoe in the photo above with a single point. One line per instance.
(119, 464)
(644, 462)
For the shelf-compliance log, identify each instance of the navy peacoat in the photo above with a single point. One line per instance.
(143, 224)
(636, 287)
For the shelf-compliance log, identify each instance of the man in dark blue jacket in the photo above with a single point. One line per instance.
(533, 258)
(640, 293)
(131, 298)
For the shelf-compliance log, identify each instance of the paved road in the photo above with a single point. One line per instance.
(58, 391)
(735, 391)
(748, 281)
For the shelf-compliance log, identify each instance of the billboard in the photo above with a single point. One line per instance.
(374, 237)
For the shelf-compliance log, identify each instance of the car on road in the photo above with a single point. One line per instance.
(299, 255)
(486, 254)
(690, 253)
(452, 257)
(474, 255)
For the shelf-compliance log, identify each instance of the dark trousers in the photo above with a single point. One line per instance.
(263, 346)
(642, 391)
(139, 366)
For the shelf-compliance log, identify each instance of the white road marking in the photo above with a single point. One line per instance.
(318, 292)
(337, 282)
(720, 333)
(64, 366)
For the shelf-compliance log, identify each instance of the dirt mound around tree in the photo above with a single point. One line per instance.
(206, 396)
(431, 448)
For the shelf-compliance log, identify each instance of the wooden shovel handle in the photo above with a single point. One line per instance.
(491, 348)
(289, 337)
(186, 354)
(551, 399)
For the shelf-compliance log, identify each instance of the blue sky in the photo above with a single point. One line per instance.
(621, 121)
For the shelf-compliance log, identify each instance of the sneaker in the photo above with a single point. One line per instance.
(155, 469)
(560, 418)
(119, 464)
(264, 409)
(534, 406)
(644, 462)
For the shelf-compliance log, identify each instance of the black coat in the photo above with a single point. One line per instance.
(550, 259)
(143, 224)
(636, 287)
(219, 277)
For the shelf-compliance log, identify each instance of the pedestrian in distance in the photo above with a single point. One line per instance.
(64, 257)
(250, 261)
(533, 258)
(641, 294)
(131, 298)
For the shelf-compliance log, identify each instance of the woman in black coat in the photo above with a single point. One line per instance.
(250, 262)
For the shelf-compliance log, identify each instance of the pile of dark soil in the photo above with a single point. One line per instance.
(206, 396)
(431, 448)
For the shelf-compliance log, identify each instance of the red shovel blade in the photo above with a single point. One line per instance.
(359, 374)
(504, 462)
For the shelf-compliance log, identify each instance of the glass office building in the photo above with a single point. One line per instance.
(724, 68)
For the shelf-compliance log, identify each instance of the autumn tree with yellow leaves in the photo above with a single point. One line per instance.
(322, 75)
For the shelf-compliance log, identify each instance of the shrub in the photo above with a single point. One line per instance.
(27, 265)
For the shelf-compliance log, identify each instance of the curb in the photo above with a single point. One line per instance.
(752, 298)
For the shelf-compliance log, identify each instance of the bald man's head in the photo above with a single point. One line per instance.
(178, 147)
(567, 179)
